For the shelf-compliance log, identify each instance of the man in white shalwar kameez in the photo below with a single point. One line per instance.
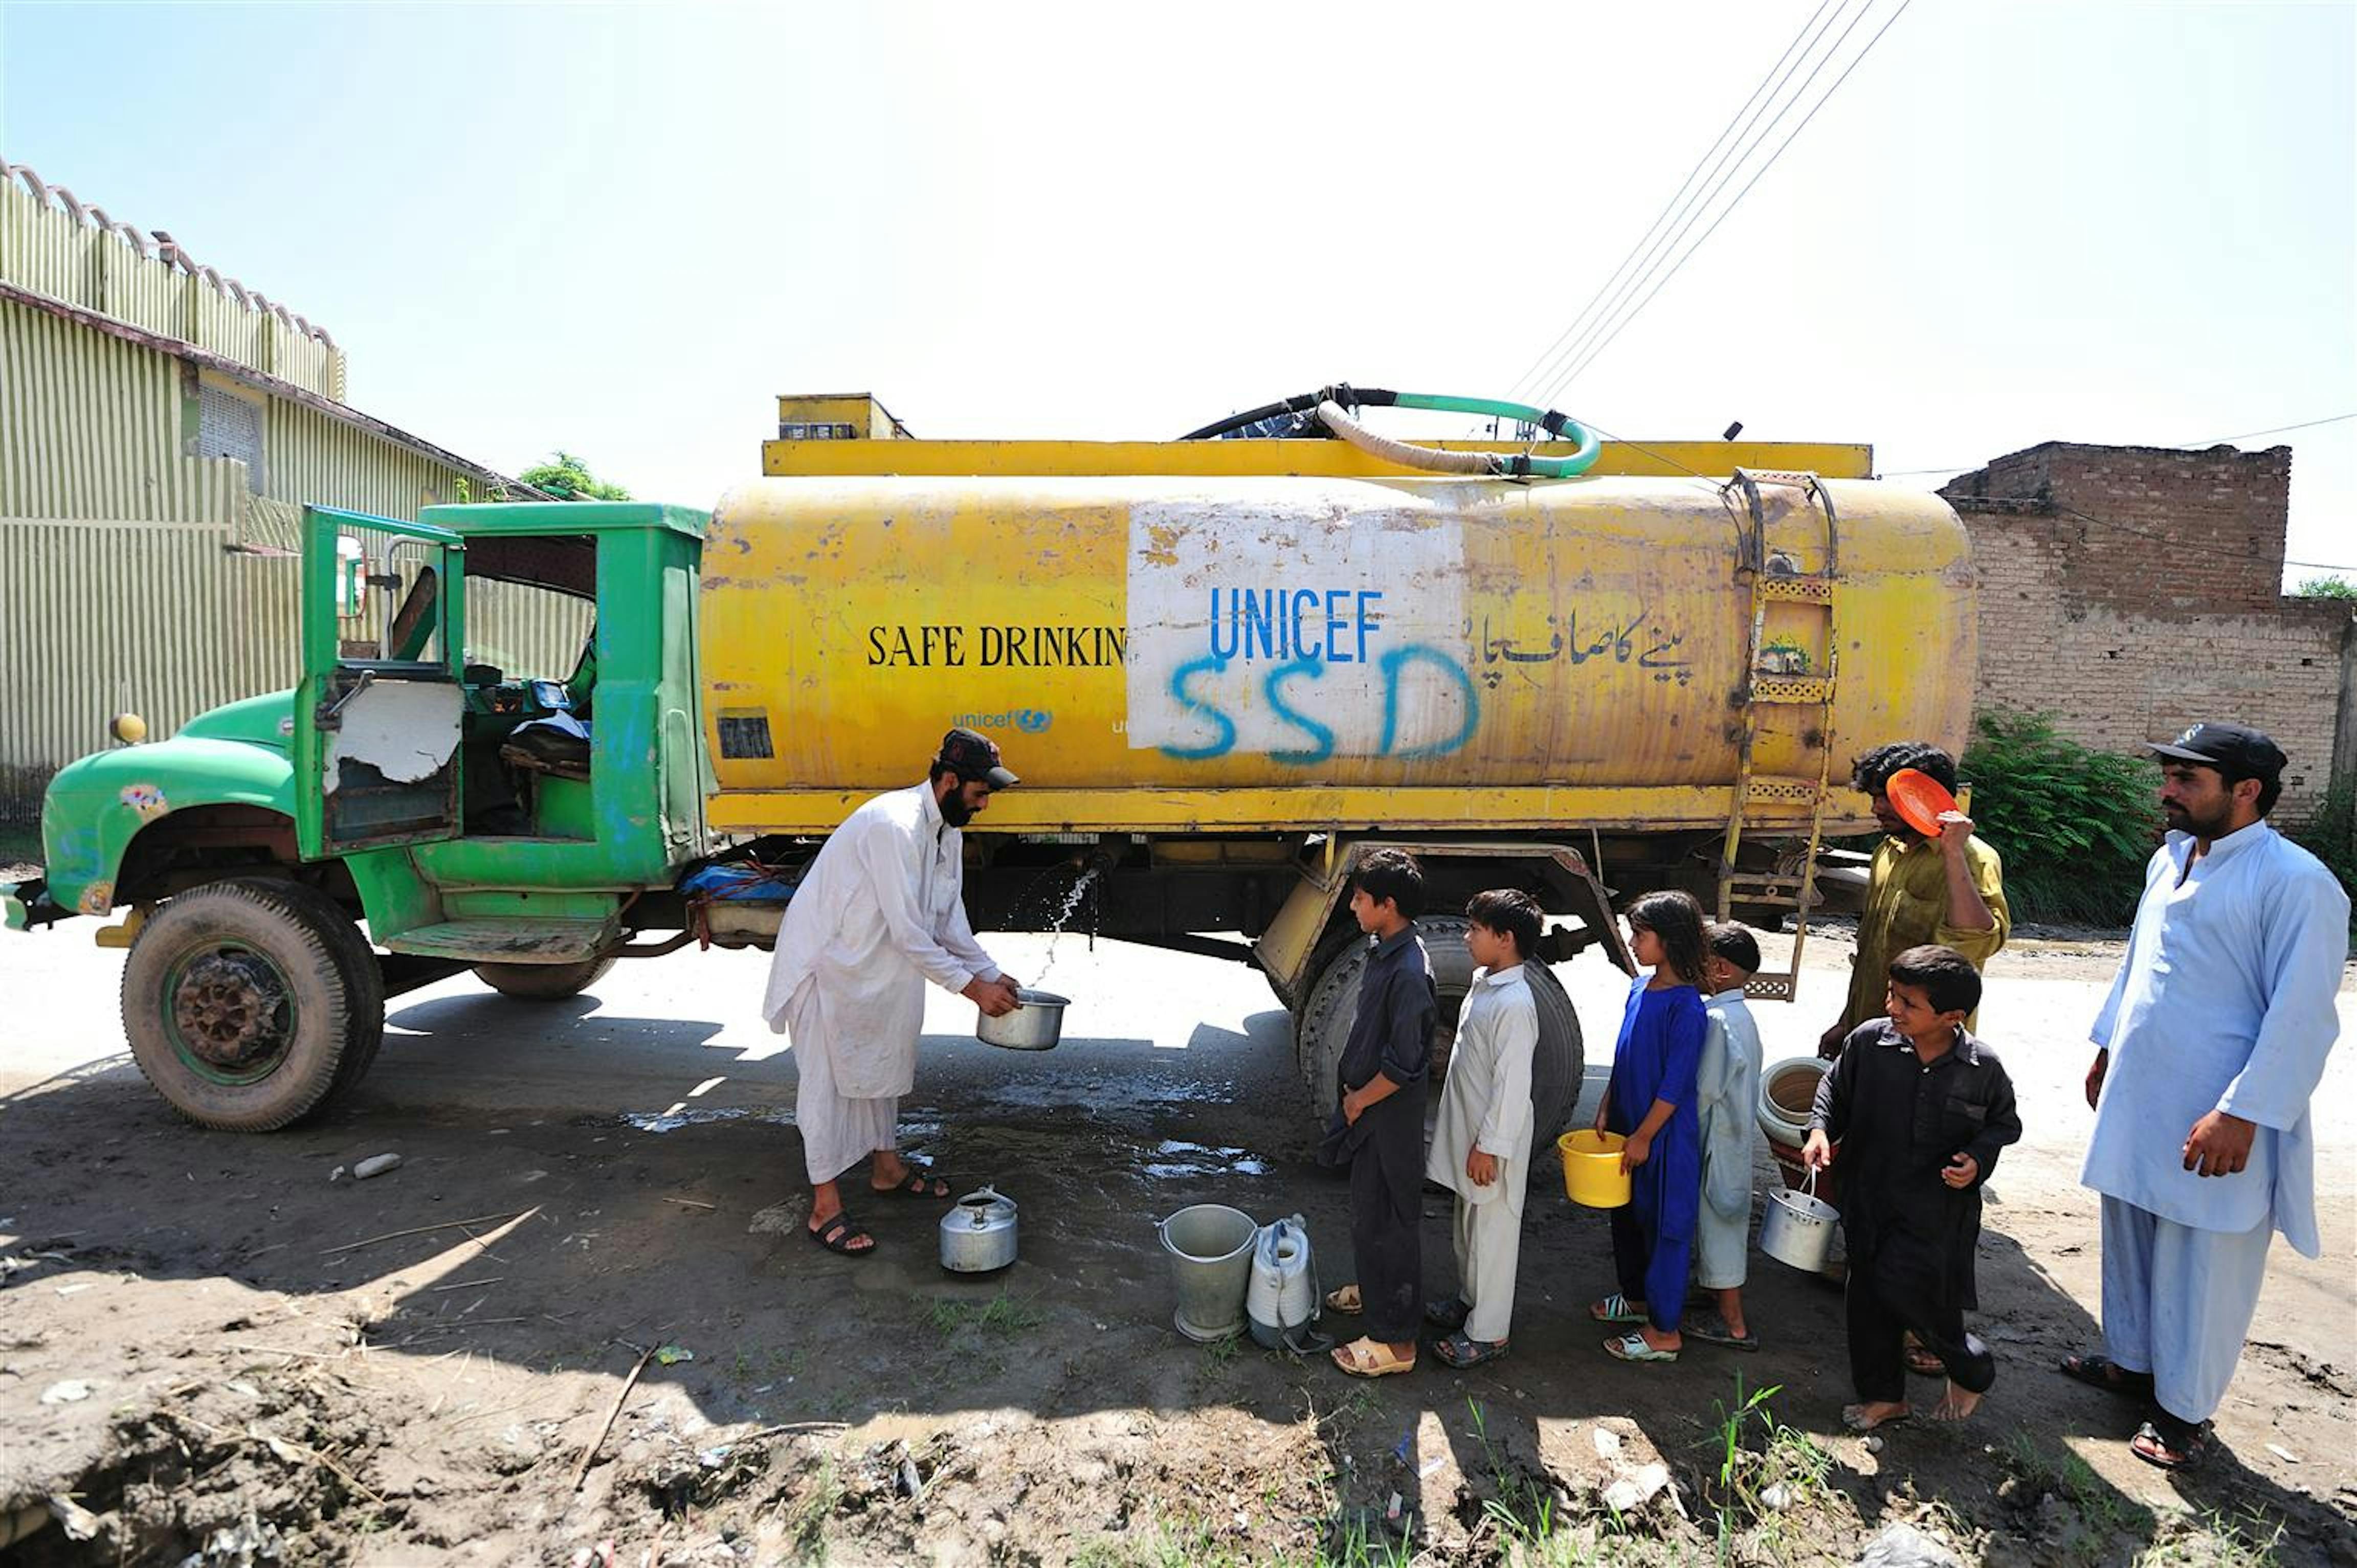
(1481, 1141)
(880, 911)
(1726, 1102)
(2208, 1048)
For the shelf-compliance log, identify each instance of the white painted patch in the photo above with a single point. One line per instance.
(1244, 624)
(406, 729)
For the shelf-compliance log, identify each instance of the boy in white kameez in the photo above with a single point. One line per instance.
(1728, 1101)
(2219, 1024)
(1482, 1145)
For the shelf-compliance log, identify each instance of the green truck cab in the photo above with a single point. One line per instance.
(247, 845)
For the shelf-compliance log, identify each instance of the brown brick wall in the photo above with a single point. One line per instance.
(2129, 591)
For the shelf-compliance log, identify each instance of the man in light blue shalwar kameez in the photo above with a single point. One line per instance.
(2208, 1048)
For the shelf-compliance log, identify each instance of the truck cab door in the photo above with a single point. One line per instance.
(378, 719)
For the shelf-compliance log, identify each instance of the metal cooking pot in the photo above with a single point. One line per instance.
(1036, 1025)
(978, 1233)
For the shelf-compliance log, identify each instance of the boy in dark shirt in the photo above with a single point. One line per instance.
(1380, 1128)
(1920, 1109)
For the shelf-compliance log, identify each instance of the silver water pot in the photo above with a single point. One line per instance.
(978, 1233)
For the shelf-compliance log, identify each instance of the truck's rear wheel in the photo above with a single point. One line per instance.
(250, 1002)
(542, 981)
(1325, 1024)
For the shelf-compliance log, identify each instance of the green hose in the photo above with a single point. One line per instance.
(1519, 467)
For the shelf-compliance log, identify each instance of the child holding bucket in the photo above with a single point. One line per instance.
(1650, 1101)
(1377, 1130)
(1920, 1109)
(1481, 1143)
(1728, 1090)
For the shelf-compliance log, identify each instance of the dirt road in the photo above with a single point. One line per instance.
(215, 1348)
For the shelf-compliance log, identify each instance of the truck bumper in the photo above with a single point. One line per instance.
(28, 904)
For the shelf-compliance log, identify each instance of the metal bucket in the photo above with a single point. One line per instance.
(1799, 1229)
(1210, 1248)
(1036, 1025)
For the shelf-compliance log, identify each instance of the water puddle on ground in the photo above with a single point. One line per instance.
(1175, 1158)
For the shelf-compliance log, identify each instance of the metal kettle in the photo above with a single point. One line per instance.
(978, 1233)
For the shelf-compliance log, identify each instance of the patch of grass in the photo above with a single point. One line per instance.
(1002, 1314)
(2245, 1539)
(805, 1522)
(2101, 1507)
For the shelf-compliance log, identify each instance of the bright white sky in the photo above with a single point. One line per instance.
(623, 230)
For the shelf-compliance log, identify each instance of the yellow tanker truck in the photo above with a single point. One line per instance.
(1225, 668)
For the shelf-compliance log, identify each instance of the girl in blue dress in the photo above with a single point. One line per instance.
(1650, 1101)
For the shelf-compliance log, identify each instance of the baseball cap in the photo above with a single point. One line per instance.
(975, 759)
(2239, 747)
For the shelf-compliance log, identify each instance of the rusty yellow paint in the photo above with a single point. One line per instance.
(1565, 654)
(867, 419)
(1293, 809)
(1650, 459)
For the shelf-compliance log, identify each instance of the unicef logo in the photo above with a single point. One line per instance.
(1030, 721)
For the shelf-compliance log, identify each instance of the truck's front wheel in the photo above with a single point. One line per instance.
(248, 1002)
(1557, 1067)
(542, 981)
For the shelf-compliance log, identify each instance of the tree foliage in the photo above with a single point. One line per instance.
(2329, 585)
(566, 476)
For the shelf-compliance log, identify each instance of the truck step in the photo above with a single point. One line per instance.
(1771, 987)
(536, 940)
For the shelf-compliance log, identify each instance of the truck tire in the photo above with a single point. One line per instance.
(250, 1002)
(542, 981)
(1556, 1068)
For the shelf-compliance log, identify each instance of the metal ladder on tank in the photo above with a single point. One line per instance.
(1777, 579)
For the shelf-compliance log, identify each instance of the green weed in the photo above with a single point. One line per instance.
(1002, 1314)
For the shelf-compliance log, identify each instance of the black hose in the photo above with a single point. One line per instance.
(1303, 403)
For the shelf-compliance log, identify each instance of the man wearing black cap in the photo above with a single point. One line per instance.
(880, 911)
(2208, 1050)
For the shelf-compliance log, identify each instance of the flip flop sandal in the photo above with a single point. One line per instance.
(1713, 1330)
(1344, 1299)
(1853, 1418)
(2103, 1372)
(1366, 1359)
(1924, 1364)
(1462, 1350)
(1448, 1316)
(2170, 1443)
(1614, 1309)
(918, 1186)
(837, 1236)
(1632, 1348)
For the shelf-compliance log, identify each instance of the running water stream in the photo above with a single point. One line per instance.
(1062, 915)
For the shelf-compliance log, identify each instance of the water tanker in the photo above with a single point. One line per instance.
(1225, 669)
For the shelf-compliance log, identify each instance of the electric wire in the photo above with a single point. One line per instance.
(1823, 100)
(1722, 174)
(1543, 362)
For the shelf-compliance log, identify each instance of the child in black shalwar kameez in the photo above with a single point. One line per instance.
(1920, 1109)
(1380, 1130)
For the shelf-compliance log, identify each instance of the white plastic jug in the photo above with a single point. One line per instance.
(1282, 1295)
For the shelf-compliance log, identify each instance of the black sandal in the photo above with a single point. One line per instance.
(916, 1185)
(2103, 1372)
(1462, 1350)
(2169, 1444)
(838, 1234)
(1448, 1316)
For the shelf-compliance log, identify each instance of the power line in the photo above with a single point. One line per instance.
(1546, 360)
(1632, 314)
(1722, 174)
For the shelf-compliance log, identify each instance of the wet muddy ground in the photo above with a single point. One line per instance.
(209, 1348)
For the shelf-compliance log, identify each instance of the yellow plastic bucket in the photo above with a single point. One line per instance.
(1591, 1168)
